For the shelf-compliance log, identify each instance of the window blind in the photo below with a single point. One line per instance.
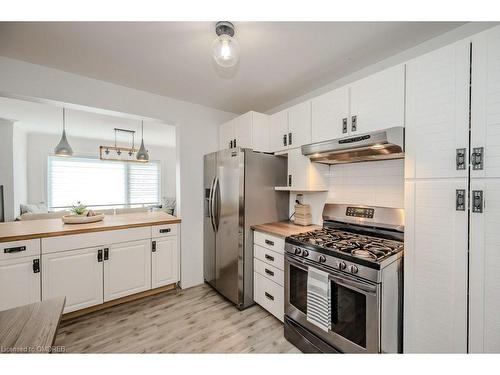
(101, 183)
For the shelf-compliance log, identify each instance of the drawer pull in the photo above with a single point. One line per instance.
(269, 242)
(14, 249)
(269, 296)
(269, 272)
(165, 230)
(269, 257)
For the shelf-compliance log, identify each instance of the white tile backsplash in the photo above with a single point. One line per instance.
(377, 183)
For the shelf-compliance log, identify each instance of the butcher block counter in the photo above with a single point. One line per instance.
(29, 229)
(284, 228)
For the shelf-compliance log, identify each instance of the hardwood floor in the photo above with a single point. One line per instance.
(196, 320)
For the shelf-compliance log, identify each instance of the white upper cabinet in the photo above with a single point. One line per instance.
(378, 101)
(299, 125)
(485, 100)
(250, 130)
(226, 135)
(303, 175)
(437, 112)
(435, 268)
(278, 130)
(330, 115)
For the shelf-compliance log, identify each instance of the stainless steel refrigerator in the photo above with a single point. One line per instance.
(239, 192)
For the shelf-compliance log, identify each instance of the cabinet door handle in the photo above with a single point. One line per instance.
(477, 158)
(344, 125)
(234, 142)
(289, 180)
(269, 242)
(36, 265)
(284, 139)
(460, 158)
(477, 201)
(106, 253)
(269, 272)
(289, 139)
(269, 257)
(460, 200)
(99, 255)
(269, 296)
(231, 143)
(354, 123)
(153, 246)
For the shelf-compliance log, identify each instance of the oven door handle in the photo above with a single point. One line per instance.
(355, 285)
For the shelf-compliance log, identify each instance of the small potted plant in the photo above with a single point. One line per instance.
(81, 214)
(80, 209)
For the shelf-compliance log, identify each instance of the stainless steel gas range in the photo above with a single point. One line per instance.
(360, 249)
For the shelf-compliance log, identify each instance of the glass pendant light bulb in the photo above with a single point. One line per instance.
(225, 48)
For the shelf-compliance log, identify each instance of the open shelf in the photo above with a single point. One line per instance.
(291, 188)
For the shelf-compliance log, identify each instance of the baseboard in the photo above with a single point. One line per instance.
(118, 301)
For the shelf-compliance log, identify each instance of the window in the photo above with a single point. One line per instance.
(101, 183)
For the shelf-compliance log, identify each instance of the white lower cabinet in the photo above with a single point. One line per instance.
(75, 274)
(165, 261)
(19, 282)
(127, 269)
(268, 276)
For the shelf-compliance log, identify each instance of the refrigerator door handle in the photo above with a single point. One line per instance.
(211, 204)
(217, 203)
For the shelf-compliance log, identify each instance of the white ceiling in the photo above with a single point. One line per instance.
(279, 60)
(47, 119)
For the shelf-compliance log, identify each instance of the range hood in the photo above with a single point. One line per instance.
(378, 145)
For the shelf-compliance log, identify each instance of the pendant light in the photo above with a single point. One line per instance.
(225, 48)
(63, 148)
(142, 154)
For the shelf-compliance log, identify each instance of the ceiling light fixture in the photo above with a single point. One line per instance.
(63, 148)
(142, 154)
(225, 48)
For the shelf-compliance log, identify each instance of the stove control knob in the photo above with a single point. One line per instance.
(322, 259)
(342, 266)
(298, 251)
(354, 269)
(305, 253)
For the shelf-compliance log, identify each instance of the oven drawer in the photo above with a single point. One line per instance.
(269, 295)
(270, 257)
(268, 271)
(19, 249)
(269, 241)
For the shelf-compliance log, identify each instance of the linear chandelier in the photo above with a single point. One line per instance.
(129, 154)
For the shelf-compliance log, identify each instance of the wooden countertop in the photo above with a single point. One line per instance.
(284, 228)
(31, 328)
(29, 229)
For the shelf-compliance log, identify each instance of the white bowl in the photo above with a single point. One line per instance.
(77, 219)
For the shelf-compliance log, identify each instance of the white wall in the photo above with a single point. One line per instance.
(20, 175)
(6, 167)
(197, 134)
(41, 145)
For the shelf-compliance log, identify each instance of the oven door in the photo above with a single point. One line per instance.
(355, 307)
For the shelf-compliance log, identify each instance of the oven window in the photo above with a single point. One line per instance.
(348, 314)
(298, 288)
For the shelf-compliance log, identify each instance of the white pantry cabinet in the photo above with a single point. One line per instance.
(250, 130)
(165, 261)
(437, 119)
(291, 128)
(330, 115)
(19, 282)
(75, 274)
(378, 101)
(484, 253)
(435, 268)
(127, 269)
